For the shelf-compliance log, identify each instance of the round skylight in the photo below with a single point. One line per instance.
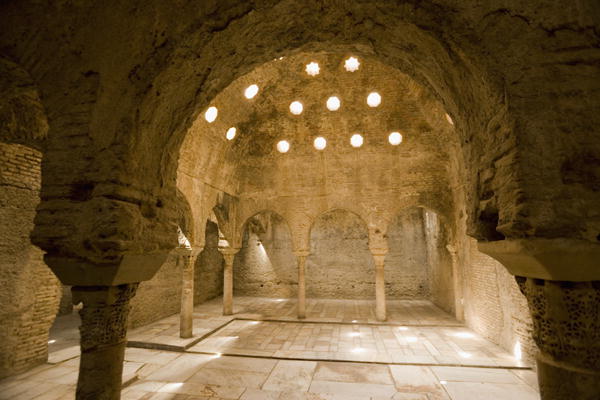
(312, 68)
(333, 103)
(251, 91)
(449, 119)
(351, 64)
(320, 143)
(211, 114)
(231, 132)
(395, 138)
(296, 108)
(283, 146)
(356, 140)
(373, 99)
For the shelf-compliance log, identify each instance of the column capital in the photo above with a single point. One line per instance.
(378, 251)
(301, 253)
(188, 251)
(550, 259)
(229, 251)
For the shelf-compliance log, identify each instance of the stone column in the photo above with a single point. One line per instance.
(301, 257)
(380, 308)
(566, 323)
(561, 280)
(103, 338)
(459, 308)
(186, 316)
(229, 255)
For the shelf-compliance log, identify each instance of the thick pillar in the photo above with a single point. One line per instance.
(380, 307)
(186, 316)
(301, 257)
(229, 255)
(561, 280)
(566, 323)
(103, 338)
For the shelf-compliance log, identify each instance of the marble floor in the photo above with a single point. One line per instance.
(263, 352)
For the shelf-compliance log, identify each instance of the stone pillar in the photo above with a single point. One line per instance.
(566, 322)
(186, 316)
(561, 280)
(380, 308)
(301, 257)
(229, 255)
(103, 338)
(459, 309)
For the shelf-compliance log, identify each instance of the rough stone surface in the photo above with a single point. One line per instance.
(122, 90)
(30, 293)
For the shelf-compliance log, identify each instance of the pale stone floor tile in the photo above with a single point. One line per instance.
(181, 368)
(354, 389)
(495, 391)
(291, 375)
(199, 389)
(409, 378)
(257, 394)
(466, 374)
(242, 363)
(353, 373)
(224, 377)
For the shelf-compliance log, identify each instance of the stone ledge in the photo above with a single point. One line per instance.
(550, 259)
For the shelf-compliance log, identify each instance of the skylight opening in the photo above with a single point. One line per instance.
(251, 91)
(211, 114)
(313, 68)
(333, 103)
(296, 108)
(373, 99)
(356, 140)
(231, 132)
(351, 64)
(283, 146)
(320, 143)
(395, 138)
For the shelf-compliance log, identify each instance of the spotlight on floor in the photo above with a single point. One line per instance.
(51, 341)
(464, 335)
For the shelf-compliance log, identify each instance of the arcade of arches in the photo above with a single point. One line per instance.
(314, 198)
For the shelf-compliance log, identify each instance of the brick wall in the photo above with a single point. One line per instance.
(494, 306)
(30, 292)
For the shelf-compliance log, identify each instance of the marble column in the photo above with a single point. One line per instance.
(380, 308)
(229, 255)
(186, 316)
(103, 333)
(301, 258)
(561, 280)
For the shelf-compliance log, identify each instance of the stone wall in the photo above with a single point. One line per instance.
(407, 271)
(266, 266)
(340, 265)
(160, 297)
(208, 281)
(30, 292)
(494, 306)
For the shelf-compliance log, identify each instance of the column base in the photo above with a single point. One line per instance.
(559, 382)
